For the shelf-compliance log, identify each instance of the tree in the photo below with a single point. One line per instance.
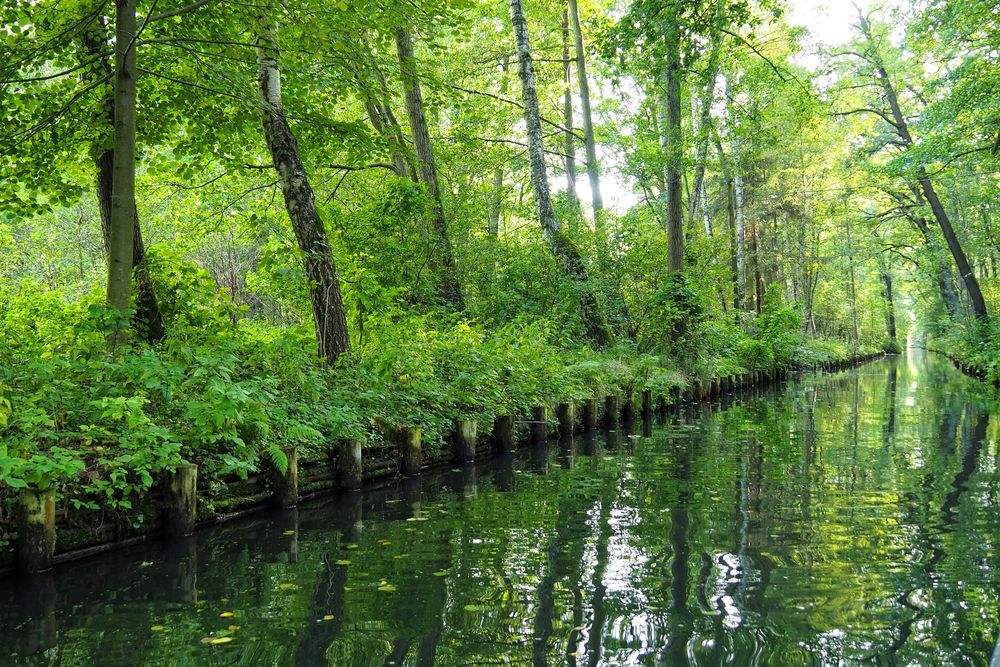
(123, 207)
(98, 67)
(300, 201)
(562, 248)
(672, 137)
(894, 117)
(428, 172)
(590, 144)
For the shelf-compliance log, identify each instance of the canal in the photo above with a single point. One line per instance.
(841, 518)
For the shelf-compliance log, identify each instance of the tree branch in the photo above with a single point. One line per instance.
(516, 104)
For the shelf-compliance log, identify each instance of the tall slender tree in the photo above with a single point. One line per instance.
(448, 273)
(589, 141)
(96, 67)
(562, 248)
(900, 126)
(123, 206)
(568, 134)
(672, 137)
(321, 271)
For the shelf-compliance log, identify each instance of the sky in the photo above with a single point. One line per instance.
(828, 21)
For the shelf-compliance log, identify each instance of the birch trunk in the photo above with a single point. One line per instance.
(442, 254)
(562, 248)
(590, 144)
(300, 201)
(739, 202)
(570, 141)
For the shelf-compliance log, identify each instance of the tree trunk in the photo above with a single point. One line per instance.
(701, 128)
(890, 304)
(672, 140)
(447, 271)
(570, 140)
(946, 287)
(954, 245)
(739, 204)
(148, 319)
(497, 203)
(590, 144)
(562, 248)
(498, 174)
(122, 217)
(300, 202)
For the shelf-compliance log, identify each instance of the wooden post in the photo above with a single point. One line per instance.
(628, 409)
(590, 414)
(349, 464)
(566, 414)
(464, 441)
(647, 404)
(408, 439)
(181, 498)
(36, 530)
(611, 412)
(539, 424)
(503, 433)
(285, 487)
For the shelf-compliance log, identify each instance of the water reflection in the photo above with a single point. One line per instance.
(846, 517)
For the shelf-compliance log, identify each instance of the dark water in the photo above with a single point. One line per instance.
(841, 519)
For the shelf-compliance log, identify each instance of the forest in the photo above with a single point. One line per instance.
(231, 229)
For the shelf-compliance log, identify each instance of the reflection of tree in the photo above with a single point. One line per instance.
(944, 526)
(599, 615)
(328, 593)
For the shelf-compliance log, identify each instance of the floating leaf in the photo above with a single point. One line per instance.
(343, 562)
(145, 563)
(221, 640)
(226, 614)
(287, 587)
(388, 588)
(472, 607)
(441, 573)
(328, 617)
(233, 628)
(157, 628)
(288, 532)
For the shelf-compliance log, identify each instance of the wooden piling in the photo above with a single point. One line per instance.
(647, 404)
(539, 424)
(36, 530)
(628, 409)
(611, 411)
(464, 440)
(408, 440)
(590, 414)
(181, 497)
(566, 414)
(503, 433)
(349, 464)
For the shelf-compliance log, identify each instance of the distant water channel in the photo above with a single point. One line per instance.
(841, 518)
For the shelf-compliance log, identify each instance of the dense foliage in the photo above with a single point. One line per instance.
(367, 244)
